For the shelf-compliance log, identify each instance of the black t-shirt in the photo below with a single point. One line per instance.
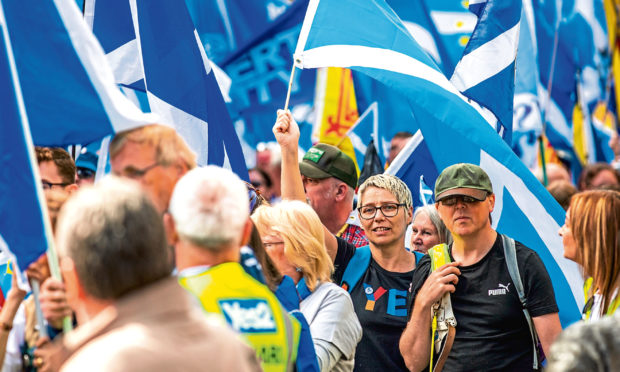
(491, 331)
(380, 302)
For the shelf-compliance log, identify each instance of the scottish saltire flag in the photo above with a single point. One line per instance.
(455, 133)
(67, 86)
(414, 165)
(486, 72)
(224, 26)
(363, 131)
(180, 83)
(527, 117)
(260, 74)
(22, 220)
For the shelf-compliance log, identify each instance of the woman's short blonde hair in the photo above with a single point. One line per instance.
(304, 239)
(595, 225)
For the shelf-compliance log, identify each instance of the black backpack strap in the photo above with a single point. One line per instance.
(510, 254)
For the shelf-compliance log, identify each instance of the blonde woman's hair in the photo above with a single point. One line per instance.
(390, 183)
(304, 240)
(169, 145)
(595, 224)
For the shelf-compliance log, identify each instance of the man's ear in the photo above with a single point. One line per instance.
(491, 202)
(341, 191)
(171, 232)
(247, 232)
(72, 188)
(75, 291)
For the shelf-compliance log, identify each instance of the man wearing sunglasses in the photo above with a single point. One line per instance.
(492, 332)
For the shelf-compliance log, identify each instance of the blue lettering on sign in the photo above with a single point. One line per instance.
(257, 71)
(397, 298)
(248, 315)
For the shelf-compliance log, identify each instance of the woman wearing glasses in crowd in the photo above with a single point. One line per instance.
(591, 237)
(293, 237)
(428, 230)
(380, 294)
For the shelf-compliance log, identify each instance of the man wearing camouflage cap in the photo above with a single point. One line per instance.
(330, 179)
(492, 331)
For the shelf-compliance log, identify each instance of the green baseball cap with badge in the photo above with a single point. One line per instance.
(463, 179)
(324, 161)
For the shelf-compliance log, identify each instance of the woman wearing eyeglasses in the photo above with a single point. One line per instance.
(294, 239)
(377, 276)
(591, 237)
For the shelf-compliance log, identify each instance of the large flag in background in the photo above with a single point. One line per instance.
(456, 133)
(224, 26)
(22, 227)
(67, 86)
(442, 28)
(260, 74)
(486, 72)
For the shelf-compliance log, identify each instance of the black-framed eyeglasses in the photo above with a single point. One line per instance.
(256, 199)
(453, 199)
(133, 172)
(85, 173)
(369, 212)
(50, 185)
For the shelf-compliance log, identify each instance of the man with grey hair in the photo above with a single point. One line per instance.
(132, 314)
(208, 223)
(378, 275)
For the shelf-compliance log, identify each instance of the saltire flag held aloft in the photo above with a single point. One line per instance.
(260, 74)
(486, 72)
(181, 85)
(67, 86)
(22, 227)
(455, 134)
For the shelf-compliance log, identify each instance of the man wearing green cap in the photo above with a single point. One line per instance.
(330, 179)
(492, 332)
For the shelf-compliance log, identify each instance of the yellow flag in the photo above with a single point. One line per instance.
(579, 135)
(336, 108)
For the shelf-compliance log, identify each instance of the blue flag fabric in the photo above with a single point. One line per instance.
(416, 167)
(226, 26)
(22, 229)
(442, 28)
(260, 74)
(181, 85)
(67, 86)
(386, 52)
(486, 72)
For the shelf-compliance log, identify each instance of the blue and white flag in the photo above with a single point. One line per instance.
(414, 165)
(364, 131)
(180, 83)
(68, 88)
(442, 28)
(456, 133)
(22, 220)
(486, 72)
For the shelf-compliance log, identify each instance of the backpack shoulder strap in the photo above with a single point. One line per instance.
(510, 254)
(356, 268)
(418, 257)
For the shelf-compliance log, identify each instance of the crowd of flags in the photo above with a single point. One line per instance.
(479, 81)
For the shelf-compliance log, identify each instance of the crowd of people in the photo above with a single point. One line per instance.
(167, 266)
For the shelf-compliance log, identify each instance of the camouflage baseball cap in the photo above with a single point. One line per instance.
(324, 161)
(463, 179)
